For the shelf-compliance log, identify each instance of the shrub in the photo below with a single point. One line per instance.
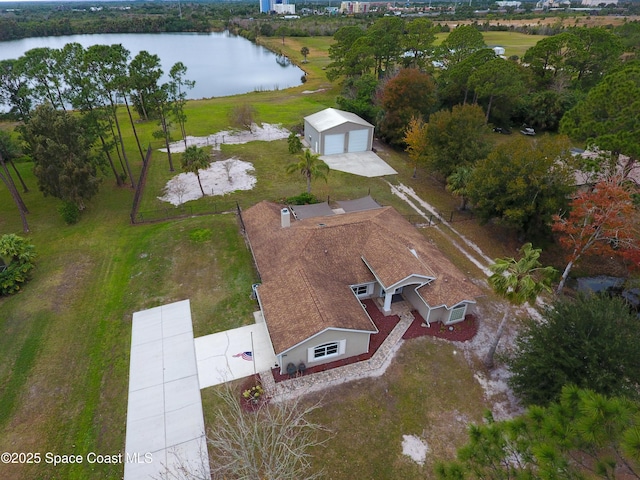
(69, 212)
(303, 199)
(16, 261)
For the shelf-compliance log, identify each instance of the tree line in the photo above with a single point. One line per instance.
(70, 149)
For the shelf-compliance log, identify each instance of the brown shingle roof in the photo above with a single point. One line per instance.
(307, 268)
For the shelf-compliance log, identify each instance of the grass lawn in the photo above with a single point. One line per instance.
(65, 338)
(514, 43)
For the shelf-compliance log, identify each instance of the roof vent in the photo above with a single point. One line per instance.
(285, 218)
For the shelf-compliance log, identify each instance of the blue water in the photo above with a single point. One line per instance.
(220, 63)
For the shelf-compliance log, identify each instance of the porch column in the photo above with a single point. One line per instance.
(387, 301)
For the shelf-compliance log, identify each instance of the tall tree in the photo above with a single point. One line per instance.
(178, 85)
(6, 178)
(195, 159)
(547, 59)
(460, 43)
(523, 183)
(144, 74)
(41, 66)
(10, 150)
(609, 116)
(384, 38)
(343, 53)
(84, 95)
(409, 94)
(418, 42)
(601, 221)
(445, 151)
(498, 79)
(519, 281)
(62, 149)
(108, 65)
(310, 166)
(591, 341)
(597, 52)
(453, 82)
(14, 88)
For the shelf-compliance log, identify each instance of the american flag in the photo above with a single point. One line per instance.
(245, 356)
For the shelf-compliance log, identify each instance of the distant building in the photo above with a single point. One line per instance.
(595, 3)
(509, 3)
(546, 4)
(355, 7)
(277, 6)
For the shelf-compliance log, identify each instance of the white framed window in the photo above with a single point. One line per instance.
(362, 290)
(457, 314)
(326, 350)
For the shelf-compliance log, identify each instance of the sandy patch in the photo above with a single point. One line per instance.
(219, 179)
(415, 448)
(265, 132)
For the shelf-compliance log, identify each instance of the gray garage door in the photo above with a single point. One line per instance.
(334, 144)
(358, 140)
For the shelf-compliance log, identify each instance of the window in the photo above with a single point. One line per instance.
(361, 290)
(457, 314)
(326, 350)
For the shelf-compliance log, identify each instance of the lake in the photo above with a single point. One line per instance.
(220, 63)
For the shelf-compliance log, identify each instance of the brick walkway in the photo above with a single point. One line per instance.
(375, 366)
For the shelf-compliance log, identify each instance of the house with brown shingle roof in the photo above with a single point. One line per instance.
(315, 270)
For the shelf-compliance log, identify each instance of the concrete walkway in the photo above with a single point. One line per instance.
(365, 164)
(219, 355)
(165, 424)
(373, 367)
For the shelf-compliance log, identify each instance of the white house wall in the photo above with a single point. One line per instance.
(416, 302)
(312, 136)
(316, 139)
(357, 343)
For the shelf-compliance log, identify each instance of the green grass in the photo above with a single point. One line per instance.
(514, 43)
(66, 337)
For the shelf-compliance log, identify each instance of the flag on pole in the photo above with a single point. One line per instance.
(245, 356)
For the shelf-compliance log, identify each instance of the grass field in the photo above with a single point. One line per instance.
(65, 338)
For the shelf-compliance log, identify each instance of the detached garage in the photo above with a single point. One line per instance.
(333, 131)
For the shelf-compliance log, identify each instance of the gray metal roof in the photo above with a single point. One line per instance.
(332, 117)
(315, 210)
(359, 204)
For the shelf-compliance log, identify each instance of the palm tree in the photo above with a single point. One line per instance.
(304, 51)
(457, 184)
(519, 281)
(310, 166)
(193, 160)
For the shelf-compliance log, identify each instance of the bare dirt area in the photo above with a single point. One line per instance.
(224, 176)
(584, 21)
(265, 132)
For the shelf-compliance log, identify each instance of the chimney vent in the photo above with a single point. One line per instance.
(285, 218)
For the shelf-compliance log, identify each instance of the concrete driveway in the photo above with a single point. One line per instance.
(234, 354)
(165, 424)
(365, 164)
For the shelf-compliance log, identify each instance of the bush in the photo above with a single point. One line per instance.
(295, 145)
(69, 212)
(591, 342)
(16, 261)
(303, 199)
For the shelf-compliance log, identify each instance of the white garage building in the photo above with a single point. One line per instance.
(333, 131)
